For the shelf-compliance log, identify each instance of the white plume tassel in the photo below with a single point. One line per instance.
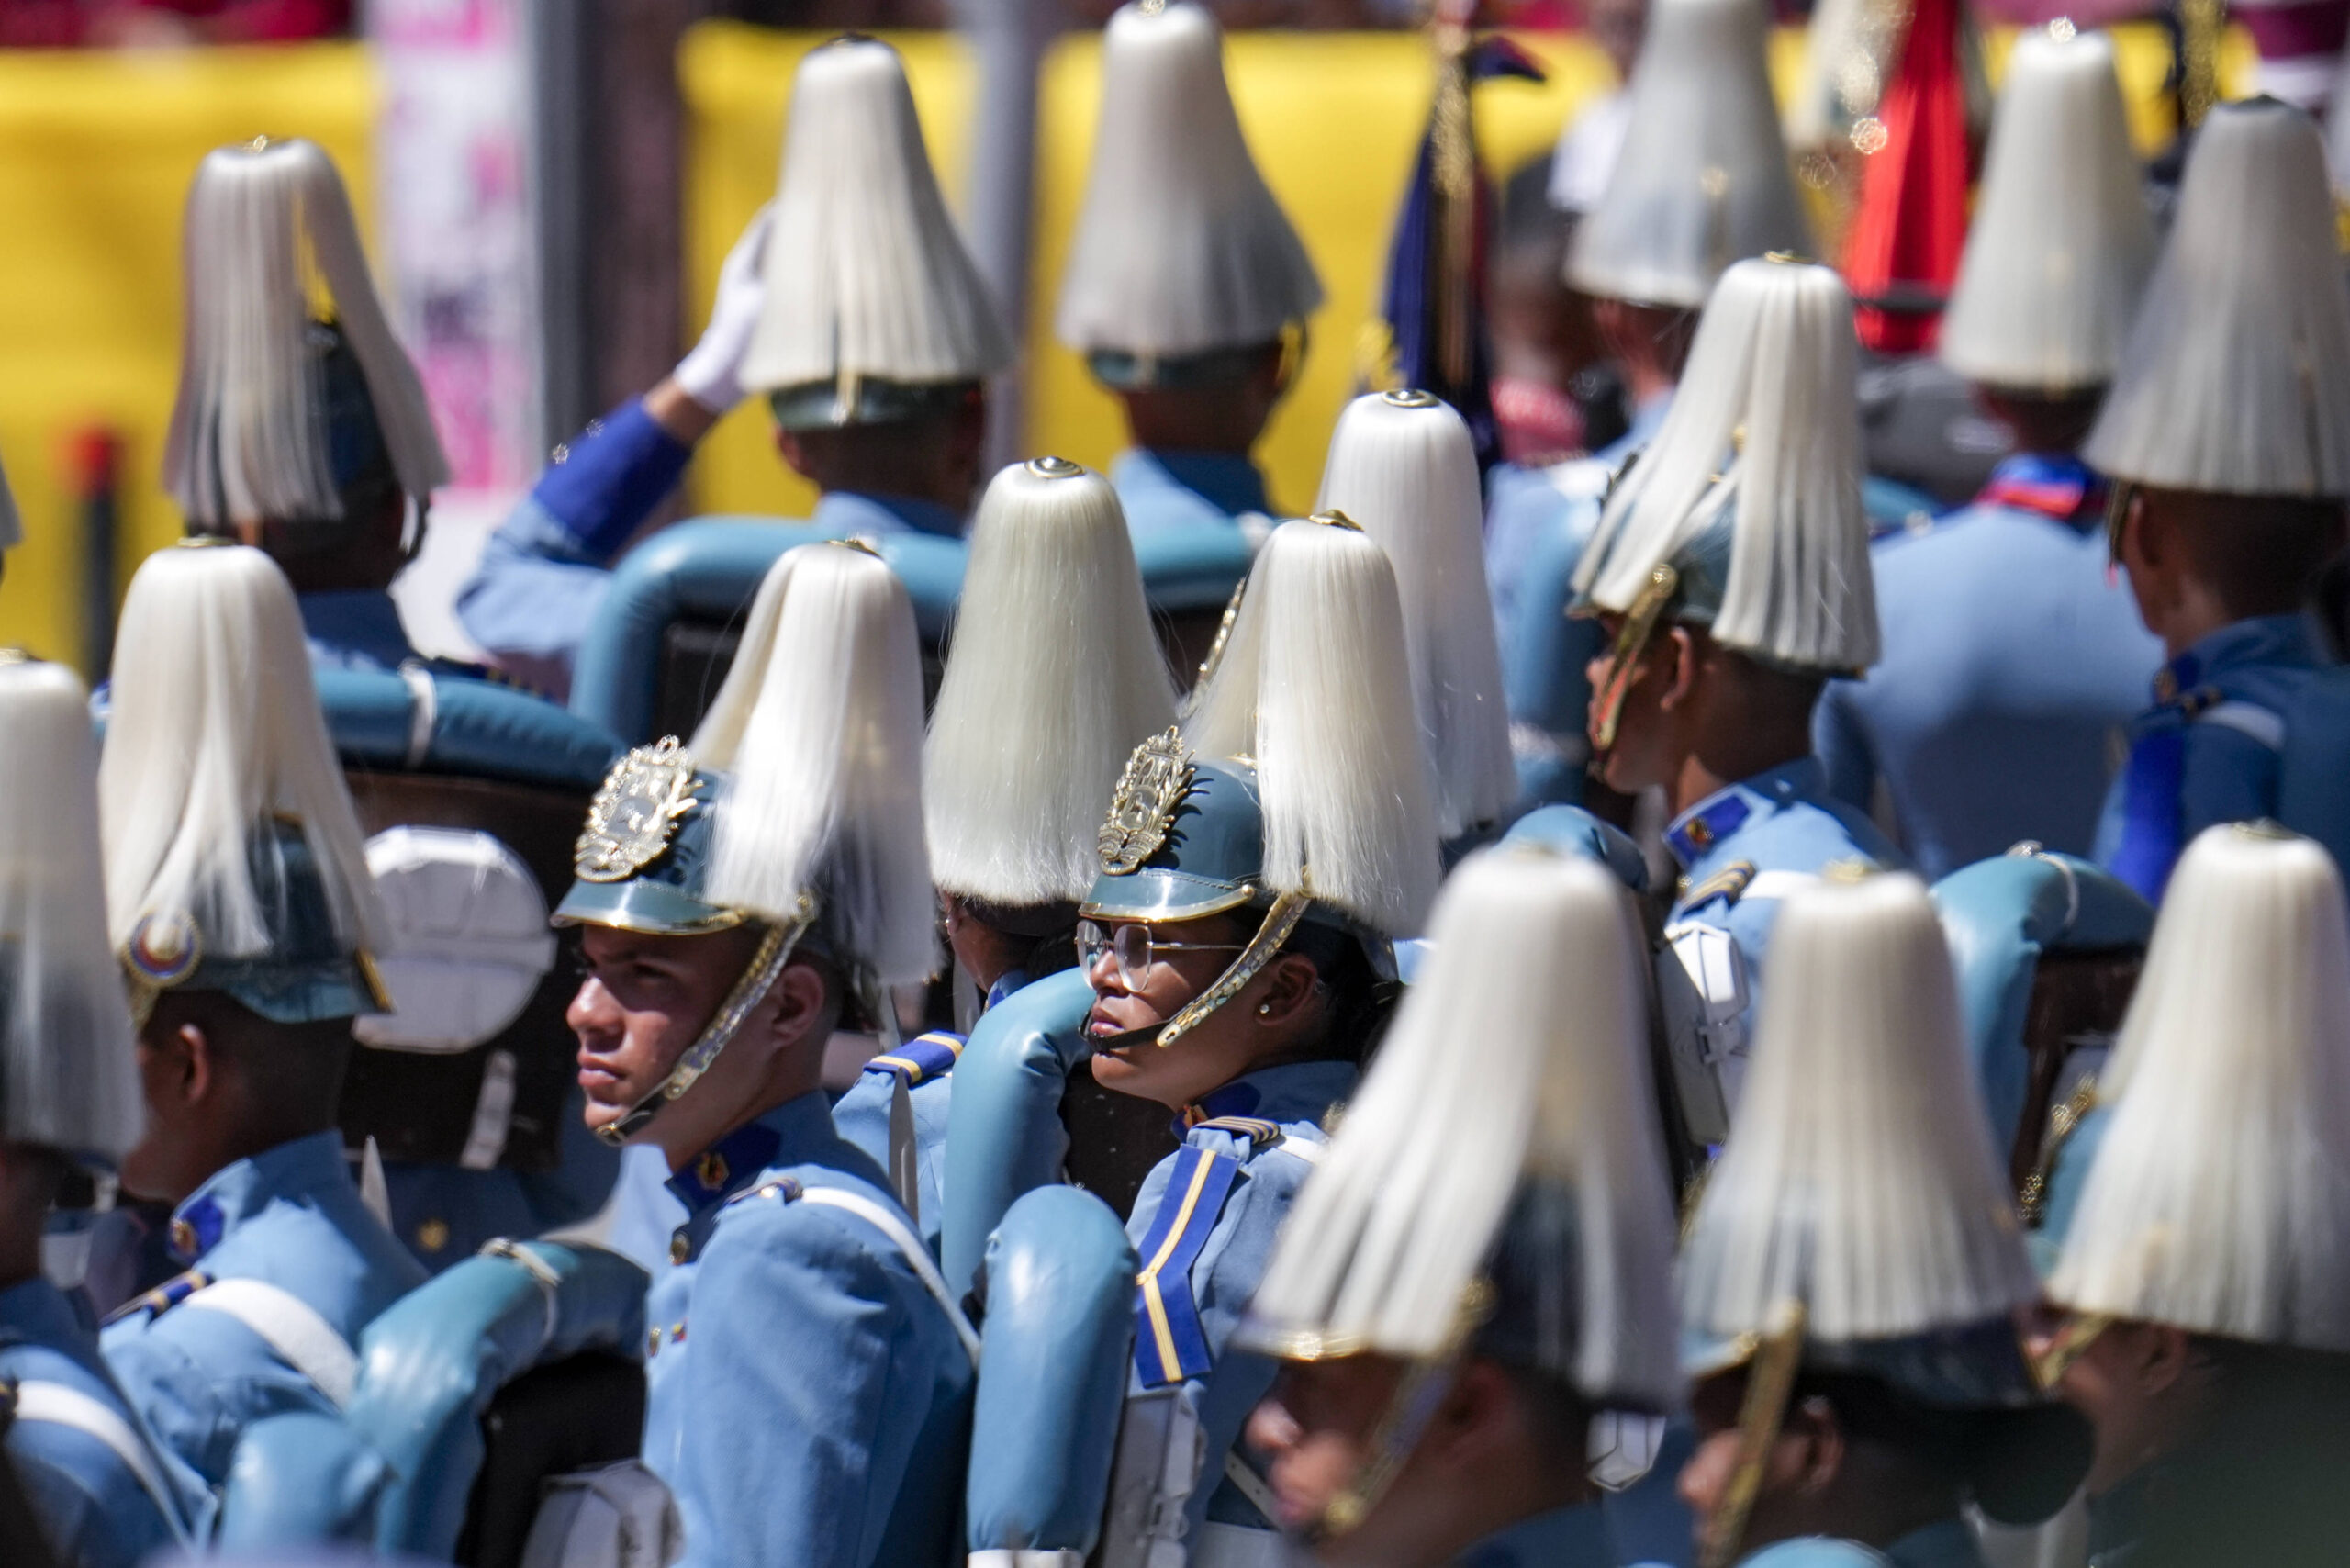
(1537, 961)
(1316, 684)
(1052, 679)
(1402, 465)
(2060, 243)
(1859, 1178)
(2220, 1202)
(819, 725)
(67, 1079)
(2236, 379)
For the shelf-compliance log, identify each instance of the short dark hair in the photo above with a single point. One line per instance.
(2261, 554)
(297, 1070)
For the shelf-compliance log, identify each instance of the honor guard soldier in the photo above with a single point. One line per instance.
(312, 440)
(851, 303)
(69, 1103)
(239, 901)
(2227, 437)
(1481, 1264)
(1730, 579)
(1402, 465)
(2013, 658)
(1852, 1276)
(1236, 986)
(739, 898)
(1187, 290)
(1052, 679)
(1702, 181)
(307, 437)
(2200, 1215)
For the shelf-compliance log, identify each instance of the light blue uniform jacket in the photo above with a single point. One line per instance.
(2211, 750)
(544, 572)
(290, 1218)
(1778, 821)
(91, 1504)
(2013, 660)
(1203, 1227)
(809, 1399)
(1946, 1543)
(1186, 489)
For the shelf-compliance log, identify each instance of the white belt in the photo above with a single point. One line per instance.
(289, 1327)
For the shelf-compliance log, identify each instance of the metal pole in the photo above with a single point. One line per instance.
(561, 166)
(1008, 37)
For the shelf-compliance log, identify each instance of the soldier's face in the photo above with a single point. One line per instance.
(1799, 1469)
(1319, 1426)
(1131, 1001)
(1655, 689)
(641, 1004)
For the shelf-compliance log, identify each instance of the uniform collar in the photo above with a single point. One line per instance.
(354, 628)
(1696, 831)
(781, 1137)
(1008, 982)
(2054, 484)
(854, 512)
(1231, 482)
(1292, 1092)
(237, 1191)
(2263, 640)
(39, 1312)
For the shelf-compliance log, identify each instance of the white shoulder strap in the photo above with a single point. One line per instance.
(907, 1242)
(291, 1328)
(1777, 884)
(2246, 719)
(1309, 1149)
(61, 1406)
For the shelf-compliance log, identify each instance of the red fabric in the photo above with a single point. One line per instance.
(63, 24)
(1911, 220)
(2290, 32)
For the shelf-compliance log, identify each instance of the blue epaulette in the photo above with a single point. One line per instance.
(163, 1297)
(1727, 883)
(1260, 1134)
(1169, 1344)
(921, 1059)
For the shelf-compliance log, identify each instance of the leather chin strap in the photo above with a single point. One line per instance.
(1770, 1379)
(757, 978)
(1279, 923)
(1624, 660)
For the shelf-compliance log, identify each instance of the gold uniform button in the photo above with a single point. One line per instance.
(679, 1247)
(433, 1235)
(183, 1238)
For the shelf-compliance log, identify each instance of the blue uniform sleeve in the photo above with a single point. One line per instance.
(92, 1510)
(796, 1433)
(1842, 742)
(544, 571)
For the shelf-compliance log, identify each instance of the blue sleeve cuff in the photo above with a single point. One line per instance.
(607, 480)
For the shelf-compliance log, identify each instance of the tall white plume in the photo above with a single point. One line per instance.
(1402, 465)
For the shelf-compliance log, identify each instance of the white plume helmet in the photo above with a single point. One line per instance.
(1053, 679)
(1402, 465)
(1704, 178)
(1313, 682)
(819, 729)
(2236, 377)
(269, 230)
(1859, 1178)
(1539, 961)
(1762, 443)
(2060, 243)
(866, 276)
(67, 1079)
(215, 727)
(2219, 1201)
(1180, 247)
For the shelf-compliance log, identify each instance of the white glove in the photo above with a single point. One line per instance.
(711, 373)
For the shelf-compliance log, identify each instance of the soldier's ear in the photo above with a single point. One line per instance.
(190, 1063)
(1812, 1426)
(804, 1007)
(1681, 652)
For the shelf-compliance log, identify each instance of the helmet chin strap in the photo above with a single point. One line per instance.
(1279, 923)
(750, 989)
(1624, 659)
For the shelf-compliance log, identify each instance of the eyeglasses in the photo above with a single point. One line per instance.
(1133, 950)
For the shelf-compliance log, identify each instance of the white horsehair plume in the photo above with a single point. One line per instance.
(1765, 427)
(1704, 178)
(819, 728)
(1052, 679)
(1859, 1177)
(67, 1079)
(2219, 1201)
(1180, 247)
(269, 229)
(1315, 683)
(1536, 959)
(1403, 465)
(2060, 243)
(2236, 379)
(215, 727)
(865, 273)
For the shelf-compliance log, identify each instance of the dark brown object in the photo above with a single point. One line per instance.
(1113, 1139)
(2077, 999)
(575, 1414)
